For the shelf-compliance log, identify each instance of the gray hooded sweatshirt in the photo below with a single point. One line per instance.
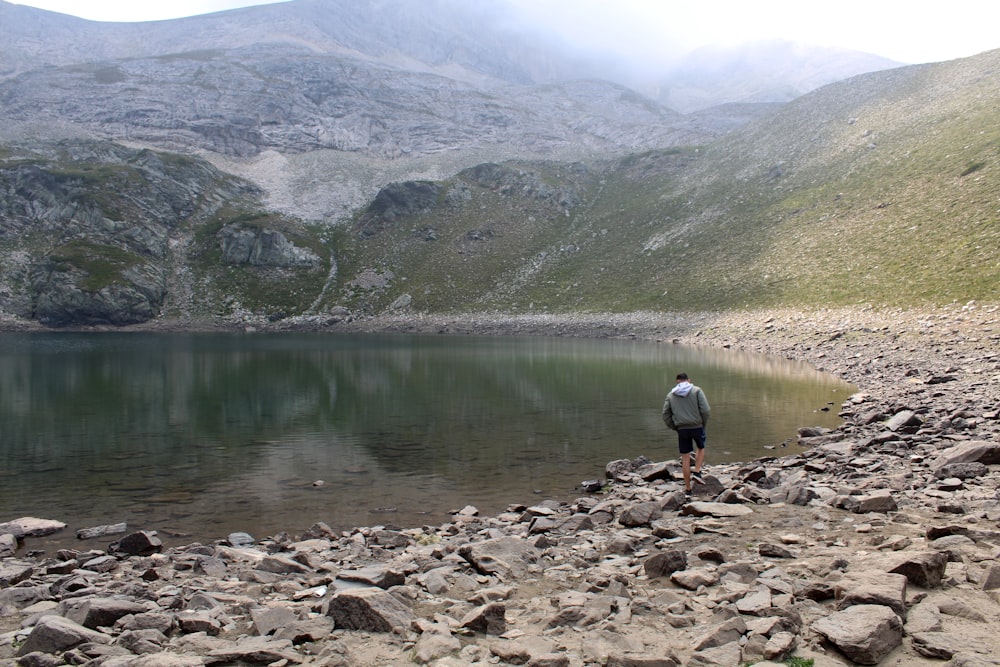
(686, 407)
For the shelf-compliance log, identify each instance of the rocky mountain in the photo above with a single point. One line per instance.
(291, 166)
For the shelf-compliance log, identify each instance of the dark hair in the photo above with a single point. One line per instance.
(682, 376)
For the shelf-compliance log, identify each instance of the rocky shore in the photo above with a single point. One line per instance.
(876, 543)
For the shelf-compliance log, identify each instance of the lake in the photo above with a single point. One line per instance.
(199, 435)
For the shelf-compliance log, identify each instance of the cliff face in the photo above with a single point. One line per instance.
(95, 233)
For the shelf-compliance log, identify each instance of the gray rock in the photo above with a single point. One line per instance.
(769, 550)
(376, 575)
(310, 630)
(976, 451)
(490, 619)
(199, 622)
(142, 642)
(521, 650)
(663, 563)
(640, 514)
(141, 543)
(962, 470)
(945, 646)
(721, 510)
(723, 633)
(101, 531)
(254, 246)
(756, 603)
(925, 569)
(880, 501)
(255, 650)
(652, 472)
(13, 573)
(873, 588)
(719, 656)
(8, 545)
(435, 645)
(268, 619)
(865, 633)
(29, 526)
(281, 565)
(19, 597)
(990, 580)
(53, 634)
(904, 421)
(695, 578)
(100, 612)
(240, 539)
(504, 556)
(369, 609)
(780, 646)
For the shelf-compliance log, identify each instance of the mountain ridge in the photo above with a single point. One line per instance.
(438, 195)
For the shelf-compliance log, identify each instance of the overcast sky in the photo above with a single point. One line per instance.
(904, 30)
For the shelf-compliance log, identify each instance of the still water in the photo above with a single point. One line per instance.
(199, 435)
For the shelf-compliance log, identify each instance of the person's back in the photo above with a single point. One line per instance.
(686, 410)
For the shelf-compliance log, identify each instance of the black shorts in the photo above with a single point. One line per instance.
(688, 438)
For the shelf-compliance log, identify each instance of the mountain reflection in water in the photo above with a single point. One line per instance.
(200, 435)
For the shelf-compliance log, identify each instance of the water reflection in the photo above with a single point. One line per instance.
(205, 434)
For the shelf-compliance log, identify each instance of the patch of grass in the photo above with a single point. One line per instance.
(102, 264)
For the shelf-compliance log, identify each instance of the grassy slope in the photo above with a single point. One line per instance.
(884, 189)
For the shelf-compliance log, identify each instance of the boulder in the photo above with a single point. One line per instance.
(141, 543)
(640, 514)
(502, 556)
(369, 609)
(864, 633)
(31, 527)
(873, 588)
(53, 634)
(975, 451)
(100, 612)
(925, 569)
(490, 619)
(664, 563)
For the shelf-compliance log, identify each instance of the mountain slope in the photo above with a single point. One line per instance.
(882, 189)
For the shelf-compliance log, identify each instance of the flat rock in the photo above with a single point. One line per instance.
(29, 526)
(720, 510)
(979, 451)
(873, 588)
(865, 633)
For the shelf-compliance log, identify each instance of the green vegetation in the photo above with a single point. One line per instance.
(891, 201)
(793, 661)
(262, 290)
(102, 264)
(882, 191)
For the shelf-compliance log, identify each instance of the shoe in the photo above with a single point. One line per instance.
(697, 477)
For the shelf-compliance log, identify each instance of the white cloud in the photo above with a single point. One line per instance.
(903, 30)
(131, 10)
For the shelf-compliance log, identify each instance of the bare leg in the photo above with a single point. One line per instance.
(686, 466)
(699, 458)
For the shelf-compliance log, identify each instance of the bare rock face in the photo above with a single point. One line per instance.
(262, 247)
(93, 233)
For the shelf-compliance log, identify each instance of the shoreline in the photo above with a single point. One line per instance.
(940, 365)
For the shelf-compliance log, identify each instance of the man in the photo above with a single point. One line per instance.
(686, 411)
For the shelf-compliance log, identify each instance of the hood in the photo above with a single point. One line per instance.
(683, 389)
